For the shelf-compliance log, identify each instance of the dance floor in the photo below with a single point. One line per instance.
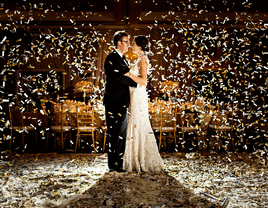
(83, 180)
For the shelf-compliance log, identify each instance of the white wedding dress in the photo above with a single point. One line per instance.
(141, 152)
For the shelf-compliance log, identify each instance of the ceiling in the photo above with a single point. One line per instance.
(129, 13)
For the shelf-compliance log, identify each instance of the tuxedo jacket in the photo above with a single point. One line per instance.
(117, 85)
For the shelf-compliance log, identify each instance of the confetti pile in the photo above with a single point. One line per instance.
(52, 178)
(83, 180)
(239, 177)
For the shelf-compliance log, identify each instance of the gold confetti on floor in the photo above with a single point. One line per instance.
(83, 180)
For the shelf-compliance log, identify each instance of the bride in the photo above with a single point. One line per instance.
(141, 152)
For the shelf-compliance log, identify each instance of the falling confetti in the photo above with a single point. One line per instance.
(213, 50)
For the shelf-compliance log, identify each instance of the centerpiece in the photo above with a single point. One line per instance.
(84, 87)
(169, 87)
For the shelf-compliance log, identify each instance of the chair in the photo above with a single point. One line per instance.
(263, 126)
(60, 123)
(188, 122)
(262, 123)
(33, 122)
(15, 117)
(163, 120)
(23, 122)
(256, 127)
(85, 124)
(222, 121)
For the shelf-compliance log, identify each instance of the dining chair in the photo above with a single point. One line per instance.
(222, 121)
(260, 122)
(188, 125)
(263, 126)
(23, 122)
(30, 123)
(60, 124)
(163, 120)
(256, 126)
(85, 124)
(15, 117)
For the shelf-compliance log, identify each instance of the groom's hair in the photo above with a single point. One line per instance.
(118, 36)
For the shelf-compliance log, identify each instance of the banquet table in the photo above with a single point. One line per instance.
(203, 113)
(199, 114)
(69, 117)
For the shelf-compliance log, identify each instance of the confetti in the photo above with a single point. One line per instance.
(222, 58)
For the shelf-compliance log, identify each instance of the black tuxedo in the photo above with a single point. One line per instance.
(116, 102)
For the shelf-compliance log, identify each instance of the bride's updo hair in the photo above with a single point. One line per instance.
(143, 42)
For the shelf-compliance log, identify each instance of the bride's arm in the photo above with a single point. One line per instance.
(142, 79)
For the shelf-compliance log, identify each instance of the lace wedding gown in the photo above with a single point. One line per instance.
(141, 152)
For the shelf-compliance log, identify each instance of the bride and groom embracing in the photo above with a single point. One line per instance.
(131, 142)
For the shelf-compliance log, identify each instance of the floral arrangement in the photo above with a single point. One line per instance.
(168, 87)
(84, 86)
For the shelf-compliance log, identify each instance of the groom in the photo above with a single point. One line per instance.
(116, 100)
